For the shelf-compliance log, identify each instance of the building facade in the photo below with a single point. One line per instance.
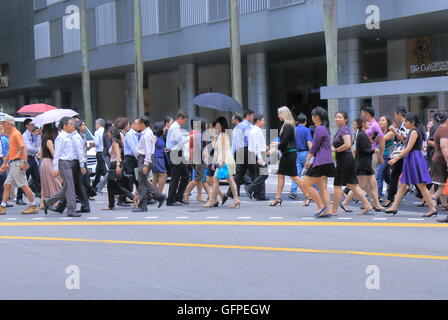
(186, 52)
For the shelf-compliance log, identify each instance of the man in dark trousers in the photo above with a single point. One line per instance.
(100, 170)
(240, 143)
(177, 142)
(145, 155)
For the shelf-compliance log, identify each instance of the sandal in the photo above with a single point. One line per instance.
(307, 201)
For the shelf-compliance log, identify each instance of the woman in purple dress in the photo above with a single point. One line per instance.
(415, 170)
(322, 167)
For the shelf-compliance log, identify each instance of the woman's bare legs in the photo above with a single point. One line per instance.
(313, 193)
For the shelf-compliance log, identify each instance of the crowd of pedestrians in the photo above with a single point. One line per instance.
(372, 162)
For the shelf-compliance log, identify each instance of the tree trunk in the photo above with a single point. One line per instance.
(139, 72)
(331, 45)
(235, 51)
(85, 66)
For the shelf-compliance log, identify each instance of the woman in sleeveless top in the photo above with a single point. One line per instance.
(415, 170)
(114, 187)
(223, 156)
(50, 185)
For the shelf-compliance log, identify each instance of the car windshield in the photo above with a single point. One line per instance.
(88, 135)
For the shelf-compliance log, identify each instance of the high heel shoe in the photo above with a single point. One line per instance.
(307, 201)
(224, 199)
(435, 213)
(343, 208)
(211, 205)
(276, 202)
(388, 204)
(377, 209)
(393, 212)
(235, 204)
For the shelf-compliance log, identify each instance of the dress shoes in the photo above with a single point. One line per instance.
(74, 214)
(161, 201)
(83, 211)
(136, 210)
(174, 204)
(123, 204)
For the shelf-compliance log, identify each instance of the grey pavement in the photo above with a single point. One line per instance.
(166, 269)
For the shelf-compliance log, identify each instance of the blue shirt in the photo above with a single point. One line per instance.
(4, 146)
(130, 143)
(303, 135)
(240, 137)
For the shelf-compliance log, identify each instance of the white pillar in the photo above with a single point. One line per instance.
(188, 88)
(349, 73)
(258, 84)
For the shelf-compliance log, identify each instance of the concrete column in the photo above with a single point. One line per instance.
(258, 84)
(21, 100)
(442, 100)
(131, 95)
(188, 83)
(57, 98)
(397, 65)
(349, 73)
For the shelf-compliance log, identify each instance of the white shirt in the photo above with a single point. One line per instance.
(98, 139)
(240, 135)
(257, 142)
(146, 145)
(63, 149)
(130, 143)
(78, 145)
(176, 138)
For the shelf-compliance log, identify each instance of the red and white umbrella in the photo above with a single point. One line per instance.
(35, 109)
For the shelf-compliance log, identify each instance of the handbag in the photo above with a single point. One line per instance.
(223, 172)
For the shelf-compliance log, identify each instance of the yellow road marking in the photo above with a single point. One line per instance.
(197, 245)
(225, 223)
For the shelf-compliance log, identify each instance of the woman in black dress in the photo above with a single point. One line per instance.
(364, 155)
(345, 166)
(288, 148)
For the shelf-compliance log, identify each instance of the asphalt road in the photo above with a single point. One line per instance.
(257, 252)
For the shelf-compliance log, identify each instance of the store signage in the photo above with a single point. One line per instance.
(430, 67)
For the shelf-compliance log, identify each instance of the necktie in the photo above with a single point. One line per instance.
(139, 136)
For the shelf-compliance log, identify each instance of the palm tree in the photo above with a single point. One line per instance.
(85, 66)
(331, 45)
(139, 72)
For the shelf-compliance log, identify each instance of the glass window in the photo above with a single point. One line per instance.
(169, 15)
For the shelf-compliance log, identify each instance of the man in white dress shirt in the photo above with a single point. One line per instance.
(177, 142)
(145, 153)
(257, 147)
(64, 155)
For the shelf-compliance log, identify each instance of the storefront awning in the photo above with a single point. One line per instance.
(420, 86)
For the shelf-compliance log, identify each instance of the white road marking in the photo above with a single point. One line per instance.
(345, 218)
(122, 218)
(379, 218)
(308, 218)
(211, 217)
(11, 219)
(244, 217)
(151, 217)
(92, 218)
(100, 202)
(181, 217)
(38, 218)
(416, 219)
(276, 218)
(68, 218)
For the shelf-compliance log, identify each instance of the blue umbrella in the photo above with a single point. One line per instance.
(217, 101)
